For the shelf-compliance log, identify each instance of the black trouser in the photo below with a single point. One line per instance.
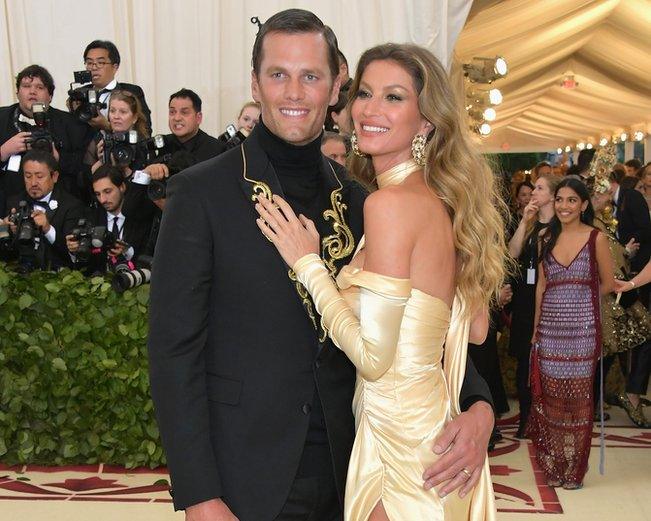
(522, 382)
(312, 499)
(638, 377)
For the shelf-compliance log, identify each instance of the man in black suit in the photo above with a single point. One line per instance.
(132, 232)
(34, 84)
(102, 60)
(253, 400)
(185, 116)
(53, 210)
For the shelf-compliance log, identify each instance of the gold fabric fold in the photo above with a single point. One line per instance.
(370, 340)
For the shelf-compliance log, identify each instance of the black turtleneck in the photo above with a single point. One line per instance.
(297, 168)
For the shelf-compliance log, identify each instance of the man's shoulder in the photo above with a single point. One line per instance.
(66, 199)
(351, 186)
(8, 109)
(214, 169)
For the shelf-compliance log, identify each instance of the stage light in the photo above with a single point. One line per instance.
(485, 70)
(623, 136)
(589, 146)
(485, 129)
(559, 151)
(603, 141)
(580, 146)
(568, 148)
(490, 114)
(495, 96)
(638, 136)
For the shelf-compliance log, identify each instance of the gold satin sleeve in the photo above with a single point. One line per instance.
(369, 342)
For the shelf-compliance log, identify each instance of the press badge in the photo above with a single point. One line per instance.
(13, 165)
(531, 276)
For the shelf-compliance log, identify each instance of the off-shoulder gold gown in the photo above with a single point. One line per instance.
(395, 336)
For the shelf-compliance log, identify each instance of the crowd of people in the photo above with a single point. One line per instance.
(86, 188)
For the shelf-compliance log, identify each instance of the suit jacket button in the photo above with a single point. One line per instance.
(307, 408)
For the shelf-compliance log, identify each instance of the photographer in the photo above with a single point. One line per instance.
(42, 215)
(123, 236)
(102, 60)
(184, 119)
(125, 116)
(51, 129)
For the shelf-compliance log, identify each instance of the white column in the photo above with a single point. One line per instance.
(647, 148)
(629, 147)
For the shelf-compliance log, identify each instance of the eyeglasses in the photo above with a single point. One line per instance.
(90, 64)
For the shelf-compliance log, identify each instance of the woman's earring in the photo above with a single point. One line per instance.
(418, 149)
(355, 146)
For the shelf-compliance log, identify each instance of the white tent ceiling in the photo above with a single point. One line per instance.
(605, 43)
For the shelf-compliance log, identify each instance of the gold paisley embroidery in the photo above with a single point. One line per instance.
(259, 188)
(308, 304)
(341, 243)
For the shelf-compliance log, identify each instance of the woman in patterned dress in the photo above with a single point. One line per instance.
(576, 271)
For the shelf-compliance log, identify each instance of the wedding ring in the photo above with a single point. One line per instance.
(466, 472)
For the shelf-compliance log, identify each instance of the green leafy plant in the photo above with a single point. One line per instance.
(74, 383)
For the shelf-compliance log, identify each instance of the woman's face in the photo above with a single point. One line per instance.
(568, 205)
(523, 197)
(249, 118)
(541, 193)
(385, 114)
(120, 116)
(647, 179)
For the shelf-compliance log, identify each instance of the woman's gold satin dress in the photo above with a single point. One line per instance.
(400, 411)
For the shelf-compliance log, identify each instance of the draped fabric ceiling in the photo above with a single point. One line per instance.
(605, 43)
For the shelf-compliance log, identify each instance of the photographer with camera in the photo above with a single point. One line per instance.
(110, 238)
(42, 215)
(129, 148)
(102, 60)
(33, 123)
(185, 116)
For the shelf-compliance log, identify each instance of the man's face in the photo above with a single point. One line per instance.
(631, 171)
(39, 181)
(295, 85)
(102, 70)
(109, 195)
(334, 149)
(30, 91)
(183, 120)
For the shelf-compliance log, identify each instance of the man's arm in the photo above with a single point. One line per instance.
(178, 331)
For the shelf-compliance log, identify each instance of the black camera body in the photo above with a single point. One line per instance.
(120, 147)
(176, 162)
(93, 240)
(232, 137)
(26, 229)
(86, 96)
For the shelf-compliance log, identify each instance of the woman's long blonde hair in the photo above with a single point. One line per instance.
(454, 170)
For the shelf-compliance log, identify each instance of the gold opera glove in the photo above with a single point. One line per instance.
(370, 341)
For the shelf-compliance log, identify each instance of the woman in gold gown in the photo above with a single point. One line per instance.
(418, 288)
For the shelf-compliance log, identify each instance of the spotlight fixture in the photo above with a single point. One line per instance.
(638, 136)
(495, 96)
(484, 129)
(603, 141)
(485, 70)
(490, 114)
(623, 136)
(484, 97)
(559, 151)
(589, 146)
(580, 146)
(568, 148)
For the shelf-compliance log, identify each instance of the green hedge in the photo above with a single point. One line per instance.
(74, 384)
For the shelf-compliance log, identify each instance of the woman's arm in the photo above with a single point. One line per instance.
(541, 284)
(604, 265)
(516, 244)
(642, 278)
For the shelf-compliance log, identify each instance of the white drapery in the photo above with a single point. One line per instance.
(605, 43)
(203, 45)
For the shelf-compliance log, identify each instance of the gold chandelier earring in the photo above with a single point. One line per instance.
(418, 149)
(355, 146)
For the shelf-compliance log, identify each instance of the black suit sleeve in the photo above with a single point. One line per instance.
(178, 319)
(145, 108)
(639, 212)
(474, 388)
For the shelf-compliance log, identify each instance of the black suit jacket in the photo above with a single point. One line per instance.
(64, 218)
(201, 147)
(234, 355)
(71, 137)
(633, 221)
